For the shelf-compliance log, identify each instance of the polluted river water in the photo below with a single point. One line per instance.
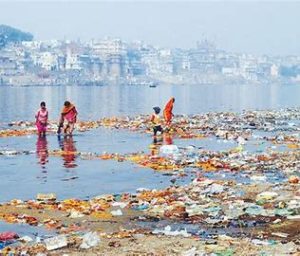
(232, 173)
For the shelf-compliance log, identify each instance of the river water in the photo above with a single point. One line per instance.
(25, 176)
(99, 101)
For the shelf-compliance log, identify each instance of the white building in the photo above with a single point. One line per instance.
(108, 46)
(72, 61)
(274, 71)
(46, 60)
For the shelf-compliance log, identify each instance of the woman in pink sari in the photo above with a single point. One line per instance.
(41, 118)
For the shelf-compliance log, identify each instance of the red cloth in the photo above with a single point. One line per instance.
(5, 236)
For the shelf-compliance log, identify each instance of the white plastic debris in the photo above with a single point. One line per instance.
(294, 217)
(89, 240)
(75, 214)
(241, 140)
(26, 239)
(9, 152)
(168, 232)
(280, 234)
(258, 178)
(190, 252)
(168, 149)
(46, 197)
(259, 242)
(56, 242)
(214, 189)
(119, 204)
(268, 195)
(117, 213)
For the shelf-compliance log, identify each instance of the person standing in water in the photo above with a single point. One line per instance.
(156, 121)
(168, 114)
(68, 114)
(41, 118)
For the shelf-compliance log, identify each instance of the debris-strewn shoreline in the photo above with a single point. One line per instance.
(240, 200)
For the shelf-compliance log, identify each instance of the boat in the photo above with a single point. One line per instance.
(153, 85)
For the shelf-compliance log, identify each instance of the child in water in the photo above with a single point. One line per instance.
(41, 118)
(156, 121)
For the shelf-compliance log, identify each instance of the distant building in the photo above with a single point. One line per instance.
(47, 61)
(112, 53)
(274, 71)
(71, 62)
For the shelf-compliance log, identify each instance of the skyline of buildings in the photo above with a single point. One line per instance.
(112, 60)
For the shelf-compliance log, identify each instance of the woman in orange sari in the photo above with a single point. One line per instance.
(168, 114)
(69, 114)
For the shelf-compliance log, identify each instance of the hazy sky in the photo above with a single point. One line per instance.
(240, 26)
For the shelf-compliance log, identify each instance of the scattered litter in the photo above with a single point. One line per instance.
(168, 232)
(117, 213)
(89, 240)
(56, 242)
(279, 234)
(5, 236)
(46, 197)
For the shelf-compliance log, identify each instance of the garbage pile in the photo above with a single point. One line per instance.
(227, 125)
(265, 208)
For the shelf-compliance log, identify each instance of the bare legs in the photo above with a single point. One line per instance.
(69, 128)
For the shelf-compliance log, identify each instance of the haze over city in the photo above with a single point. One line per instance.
(247, 26)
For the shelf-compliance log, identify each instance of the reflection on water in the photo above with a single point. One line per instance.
(164, 139)
(42, 155)
(42, 150)
(102, 101)
(157, 140)
(156, 144)
(67, 145)
(168, 138)
(90, 177)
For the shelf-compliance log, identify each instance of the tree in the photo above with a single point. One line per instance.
(9, 34)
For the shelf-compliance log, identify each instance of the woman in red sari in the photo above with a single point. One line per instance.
(168, 114)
